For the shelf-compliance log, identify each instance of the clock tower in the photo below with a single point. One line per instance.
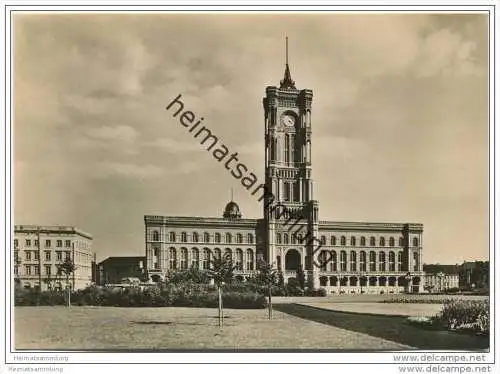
(290, 213)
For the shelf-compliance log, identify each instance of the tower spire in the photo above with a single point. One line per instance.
(287, 81)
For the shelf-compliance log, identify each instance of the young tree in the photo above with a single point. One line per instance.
(301, 277)
(221, 271)
(67, 268)
(268, 277)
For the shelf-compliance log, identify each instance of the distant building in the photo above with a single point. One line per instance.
(38, 250)
(114, 269)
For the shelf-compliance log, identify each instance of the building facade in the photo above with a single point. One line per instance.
(114, 269)
(38, 250)
(342, 257)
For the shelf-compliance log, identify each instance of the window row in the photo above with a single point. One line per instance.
(366, 261)
(195, 237)
(34, 255)
(298, 239)
(48, 243)
(242, 260)
(35, 270)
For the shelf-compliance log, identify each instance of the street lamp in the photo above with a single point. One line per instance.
(408, 282)
(440, 277)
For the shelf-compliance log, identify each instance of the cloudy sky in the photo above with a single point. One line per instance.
(400, 128)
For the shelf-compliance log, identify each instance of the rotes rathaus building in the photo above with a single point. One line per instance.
(342, 257)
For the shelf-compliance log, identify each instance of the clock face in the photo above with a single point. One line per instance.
(288, 120)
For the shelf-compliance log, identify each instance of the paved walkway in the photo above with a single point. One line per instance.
(389, 309)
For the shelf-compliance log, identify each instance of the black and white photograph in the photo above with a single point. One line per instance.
(265, 182)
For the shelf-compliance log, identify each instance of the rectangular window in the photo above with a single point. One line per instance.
(27, 254)
(16, 243)
(59, 255)
(68, 244)
(47, 255)
(68, 255)
(59, 243)
(48, 243)
(48, 270)
(37, 257)
(28, 270)
(36, 269)
(16, 270)
(36, 243)
(157, 265)
(28, 243)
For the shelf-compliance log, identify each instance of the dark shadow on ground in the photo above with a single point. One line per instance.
(169, 323)
(391, 328)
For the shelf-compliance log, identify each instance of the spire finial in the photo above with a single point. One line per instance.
(287, 81)
(286, 38)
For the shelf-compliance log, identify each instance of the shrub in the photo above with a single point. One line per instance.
(459, 312)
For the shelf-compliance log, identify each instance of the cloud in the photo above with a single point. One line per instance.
(128, 170)
(113, 133)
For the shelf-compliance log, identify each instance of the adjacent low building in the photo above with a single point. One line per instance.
(114, 270)
(39, 250)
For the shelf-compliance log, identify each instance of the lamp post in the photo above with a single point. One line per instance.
(408, 282)
(440, 277)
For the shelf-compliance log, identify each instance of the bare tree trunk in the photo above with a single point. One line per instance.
(270, 304)
(69, 291)
(220, 306)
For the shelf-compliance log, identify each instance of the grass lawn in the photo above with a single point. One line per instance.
(393, 328)
(108, 328)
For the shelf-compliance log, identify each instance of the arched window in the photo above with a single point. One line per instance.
(285, 238)
(322, 260)
(184, 258)
(206, 258)
(239, 238)
(172, 237)
(156, 252)
(172, 256)
(294, 239)
(391, 242)
(372, 241)
(287, 149)
(342, 240)
(217, 253)
(400, 261)
(156, 236)
(333, 264)
(195, 237)
(353, 261)
(392, 258)
(353, 241)
(415, 242)
(382, 241)
(229, 238)
(373, 261)
(228, 254)
(416, 262)
(278, 238)
(343, 261)
(206, 237)
(323, 240)
(333, 240)
(249, 259)
(217, 237)
(362, 261)
(239, 259)
(381, 261)
(183, 237)
(195, 258)
(250, 238)
(401, 242)
(363, 241)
